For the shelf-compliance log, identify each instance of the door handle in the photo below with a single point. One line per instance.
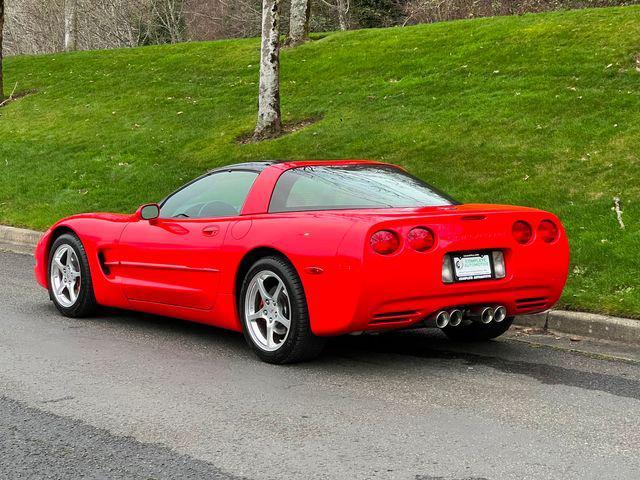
(210, 230)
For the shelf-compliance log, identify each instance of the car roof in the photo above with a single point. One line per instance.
(261, 165)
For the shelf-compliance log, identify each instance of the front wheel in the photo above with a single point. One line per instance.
(70, 286)
(274, 315)
(478, 332)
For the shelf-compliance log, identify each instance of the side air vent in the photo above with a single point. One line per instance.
(395, 317)
(534, 303)
(103, 264)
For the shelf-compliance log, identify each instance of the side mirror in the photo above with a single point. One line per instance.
(150, 211)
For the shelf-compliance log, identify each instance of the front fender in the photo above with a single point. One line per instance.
(100, 235)
(41, 256)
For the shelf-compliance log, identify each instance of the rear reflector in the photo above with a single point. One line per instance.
(421, 239)
(498, 264)
(384, 242)
(447, 269)
(548, 231)
(522, 232)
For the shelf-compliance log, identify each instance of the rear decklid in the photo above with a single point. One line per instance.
(534, 269)
(464, 227)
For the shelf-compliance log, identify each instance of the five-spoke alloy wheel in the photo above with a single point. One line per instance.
(274, 314)
(65, 277)
(70, 285)
(267, 310)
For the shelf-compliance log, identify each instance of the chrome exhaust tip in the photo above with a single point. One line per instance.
(486, 315)
(455, 317)
(499, 314)
(442, 319)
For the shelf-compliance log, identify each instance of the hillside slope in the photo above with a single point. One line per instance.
(540, 110)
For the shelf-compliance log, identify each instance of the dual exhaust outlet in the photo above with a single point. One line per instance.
(484, 315)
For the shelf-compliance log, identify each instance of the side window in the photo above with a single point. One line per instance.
(220, 194)
(351, 187)
(309, 192)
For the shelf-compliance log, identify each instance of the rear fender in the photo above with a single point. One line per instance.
(311, 243)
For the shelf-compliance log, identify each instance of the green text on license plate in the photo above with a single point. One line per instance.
(476, 266)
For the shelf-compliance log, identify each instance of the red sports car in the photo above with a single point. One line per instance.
(291, 253)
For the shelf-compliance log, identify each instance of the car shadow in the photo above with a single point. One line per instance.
(368, 348)
(385, 353)
(419, 343)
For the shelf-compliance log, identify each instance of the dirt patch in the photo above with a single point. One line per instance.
(15, 96)
(287, 128)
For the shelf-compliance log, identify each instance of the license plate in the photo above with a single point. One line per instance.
(472, 266)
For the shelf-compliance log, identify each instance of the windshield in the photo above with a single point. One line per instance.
(352, 186)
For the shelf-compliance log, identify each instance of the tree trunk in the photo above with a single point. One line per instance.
(269, 124)
(70, 25)
(343, 14)
(1, 29)
(299, 22)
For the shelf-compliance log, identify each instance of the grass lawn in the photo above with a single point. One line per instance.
(538, 110)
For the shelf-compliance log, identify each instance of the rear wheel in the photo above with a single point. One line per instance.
(274, 315)
(478, 332)
(70, 286)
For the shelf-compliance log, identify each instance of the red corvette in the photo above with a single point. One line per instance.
(293, 252)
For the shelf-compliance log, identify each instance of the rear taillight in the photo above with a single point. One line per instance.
(522, 232)
(384, 242)
(421, 239)
(548, 231)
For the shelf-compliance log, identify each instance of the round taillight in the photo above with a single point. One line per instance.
(421, 239)
(547, 231)
(384, 242)
(522, 232)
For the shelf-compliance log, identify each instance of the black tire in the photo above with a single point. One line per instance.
(478, 332)
(300, 344)
(85, 303)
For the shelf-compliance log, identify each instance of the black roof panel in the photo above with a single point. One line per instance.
(257, 166)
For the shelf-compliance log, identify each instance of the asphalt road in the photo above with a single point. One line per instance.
(134, 396)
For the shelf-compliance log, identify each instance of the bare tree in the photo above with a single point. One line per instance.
(1, 32)
(299, 22)
(269, 124)
(343, 14)
(33, 26)
(214, 19)
(169, 17)
(70, 25)
(342, 7)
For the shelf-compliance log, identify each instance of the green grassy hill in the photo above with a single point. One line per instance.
(540, 110)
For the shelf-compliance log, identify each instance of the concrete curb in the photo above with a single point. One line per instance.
(18, 240)
(602, 327)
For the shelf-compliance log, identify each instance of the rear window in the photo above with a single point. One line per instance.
(352, 186)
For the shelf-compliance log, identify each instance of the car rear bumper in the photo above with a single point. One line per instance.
(376, 310)
(404, 312)
(392, 293)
